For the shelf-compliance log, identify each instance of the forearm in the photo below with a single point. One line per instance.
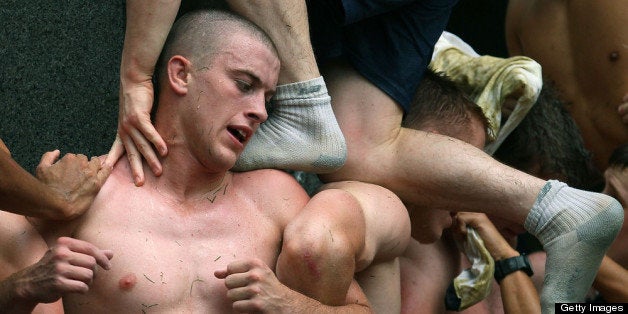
(23, 194)
(355, 302)
(147, 27)
(611, 281)
(517, 289)
(10, 300)
(304, 304)
(519, 294)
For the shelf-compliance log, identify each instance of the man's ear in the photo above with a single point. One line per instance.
(178, 74)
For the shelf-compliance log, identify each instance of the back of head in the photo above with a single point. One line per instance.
(548, 144)
(198, 35)
(439, 105)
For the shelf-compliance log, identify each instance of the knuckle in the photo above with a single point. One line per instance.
(257, 305)
(255, 290)
(91, 261)
(60, 254)
(254, 276)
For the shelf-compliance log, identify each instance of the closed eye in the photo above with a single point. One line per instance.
(244, 86)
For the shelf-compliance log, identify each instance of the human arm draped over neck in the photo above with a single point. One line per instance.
(147, 26)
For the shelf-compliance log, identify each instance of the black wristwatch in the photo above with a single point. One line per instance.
(508, 266)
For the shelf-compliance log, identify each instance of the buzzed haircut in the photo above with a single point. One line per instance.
(440, 104)
(200, 34)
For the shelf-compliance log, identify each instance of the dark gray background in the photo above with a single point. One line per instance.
(59, 65)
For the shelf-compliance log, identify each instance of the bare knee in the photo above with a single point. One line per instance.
(329, 232)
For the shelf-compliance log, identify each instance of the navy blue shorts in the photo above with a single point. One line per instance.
(388, 42)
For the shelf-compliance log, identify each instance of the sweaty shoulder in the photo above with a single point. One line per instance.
(279, 193)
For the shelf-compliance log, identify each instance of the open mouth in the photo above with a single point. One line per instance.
(239, 134)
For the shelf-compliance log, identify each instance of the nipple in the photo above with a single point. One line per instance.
(127, 282)
(613, 56)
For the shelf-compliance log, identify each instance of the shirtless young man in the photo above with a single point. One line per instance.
(440, 108)
(432, 260)
(171, 236)
(582, 46)
(200, 238)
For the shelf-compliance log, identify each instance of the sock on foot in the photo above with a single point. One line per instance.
(576, 228)
(301, 132)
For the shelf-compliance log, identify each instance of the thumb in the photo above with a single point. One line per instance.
(49, 158)
(104, 172)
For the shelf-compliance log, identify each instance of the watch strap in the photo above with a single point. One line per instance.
(508, 266)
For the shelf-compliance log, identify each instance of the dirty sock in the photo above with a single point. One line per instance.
(301, 132)
(576, 228)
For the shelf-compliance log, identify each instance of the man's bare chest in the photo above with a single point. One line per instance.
(166, 261)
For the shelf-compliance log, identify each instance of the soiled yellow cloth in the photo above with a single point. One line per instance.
(489, 81)
(472, 285)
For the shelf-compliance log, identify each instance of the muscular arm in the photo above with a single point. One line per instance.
(147, 27)
(64, 189)
(253, 287)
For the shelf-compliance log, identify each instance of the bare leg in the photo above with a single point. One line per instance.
(440, 172)
(301, 132)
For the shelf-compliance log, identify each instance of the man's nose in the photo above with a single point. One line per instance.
(257, 111)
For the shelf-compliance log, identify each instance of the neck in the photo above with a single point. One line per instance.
(184, 177)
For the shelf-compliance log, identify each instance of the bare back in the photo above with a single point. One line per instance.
(583, 48)
(165, 253)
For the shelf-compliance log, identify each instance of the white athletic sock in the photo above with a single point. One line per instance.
(576, 228)
(301, 132)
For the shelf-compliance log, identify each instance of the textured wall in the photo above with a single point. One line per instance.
(59, 65)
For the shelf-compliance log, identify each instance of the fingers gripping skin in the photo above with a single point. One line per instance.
(253, 287)
(136, 132)
(74, 178)
(67, 267)
(147, 26)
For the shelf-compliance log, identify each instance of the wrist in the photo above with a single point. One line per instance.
(16, 290)
(132, 71)
(61, 207)
(52, 205)
(510, 265)
(507, 252)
